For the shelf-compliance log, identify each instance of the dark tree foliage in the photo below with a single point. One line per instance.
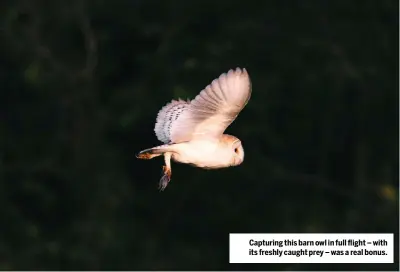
(81, 85)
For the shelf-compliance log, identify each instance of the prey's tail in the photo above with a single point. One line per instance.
(153, 152)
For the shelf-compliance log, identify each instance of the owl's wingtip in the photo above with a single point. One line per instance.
(146, 154)
(140, 156)
(241, 70)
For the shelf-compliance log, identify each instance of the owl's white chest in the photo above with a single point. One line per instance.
(205, 154)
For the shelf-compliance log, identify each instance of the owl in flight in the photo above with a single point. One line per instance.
(193, 131)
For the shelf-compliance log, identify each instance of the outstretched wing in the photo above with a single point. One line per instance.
(167, 118)
(209, 113)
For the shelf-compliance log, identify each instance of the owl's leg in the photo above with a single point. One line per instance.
(165, 179)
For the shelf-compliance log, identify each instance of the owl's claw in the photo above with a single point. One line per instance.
(165, 179)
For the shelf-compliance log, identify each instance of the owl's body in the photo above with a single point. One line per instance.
(198, 153)
(209, 154)
(193, 130)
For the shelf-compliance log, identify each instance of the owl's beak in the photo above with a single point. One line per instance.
(236, 161)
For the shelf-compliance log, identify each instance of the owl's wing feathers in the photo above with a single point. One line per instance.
(167, 117)
(209, 113)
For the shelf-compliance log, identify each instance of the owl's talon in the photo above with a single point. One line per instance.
(165, 179)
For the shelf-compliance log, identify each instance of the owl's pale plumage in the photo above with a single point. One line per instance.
(193, 130)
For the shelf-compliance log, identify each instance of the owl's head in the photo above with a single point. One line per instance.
(236, 152)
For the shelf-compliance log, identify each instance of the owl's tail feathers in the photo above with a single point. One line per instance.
(153, 152)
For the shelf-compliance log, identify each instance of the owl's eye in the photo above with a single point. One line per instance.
(236, 150)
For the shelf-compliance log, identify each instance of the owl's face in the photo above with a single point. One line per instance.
(237, 153)
(232, 150)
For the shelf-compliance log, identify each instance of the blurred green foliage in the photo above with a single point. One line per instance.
(81, 85)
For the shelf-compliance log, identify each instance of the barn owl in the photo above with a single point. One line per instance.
(192, 131)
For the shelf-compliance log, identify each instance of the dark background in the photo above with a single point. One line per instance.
(81, 85)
